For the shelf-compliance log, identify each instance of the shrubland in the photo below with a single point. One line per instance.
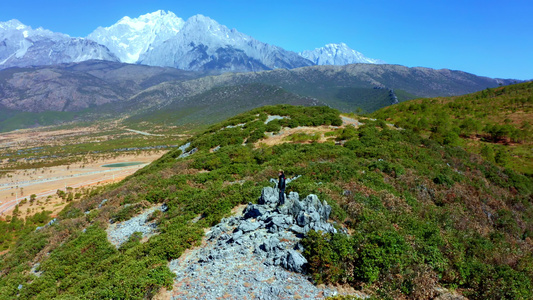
(496, 123)
(419, 214)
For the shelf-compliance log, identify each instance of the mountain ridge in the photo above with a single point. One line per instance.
(23, 46)
(128, 89)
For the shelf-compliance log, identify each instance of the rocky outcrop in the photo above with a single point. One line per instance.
(118, 233)
(256, 254)
(298, 216)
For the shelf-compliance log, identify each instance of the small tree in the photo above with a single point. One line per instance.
(32, 198)
(16, 211)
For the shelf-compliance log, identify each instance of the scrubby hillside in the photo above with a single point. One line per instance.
(497, 123)
(419, 216)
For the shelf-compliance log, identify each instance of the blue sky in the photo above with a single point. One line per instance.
(488, 38)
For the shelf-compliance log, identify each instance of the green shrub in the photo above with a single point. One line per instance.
(387, 167)
(443, 179)
(347, 133)
(273, 126)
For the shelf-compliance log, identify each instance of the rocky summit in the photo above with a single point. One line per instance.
(255, 254)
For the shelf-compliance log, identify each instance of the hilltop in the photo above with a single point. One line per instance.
(413, 218)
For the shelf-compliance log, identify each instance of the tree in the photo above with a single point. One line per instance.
(32, 198)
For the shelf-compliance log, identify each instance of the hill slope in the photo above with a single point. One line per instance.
(365, 86)
(220, 103)
(419, 215)
(494, 122)
(97, 89)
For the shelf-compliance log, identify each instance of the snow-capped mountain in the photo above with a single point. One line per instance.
(204, 44)
(337, 54)
(129, 38)
(163, 39)
(22, 46)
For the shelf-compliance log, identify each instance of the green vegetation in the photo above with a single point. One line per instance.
(497, 123)
(11, 120)
(420, 214)
(218, 104)
(13, 228)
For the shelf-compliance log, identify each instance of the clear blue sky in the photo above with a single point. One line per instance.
(488, 38)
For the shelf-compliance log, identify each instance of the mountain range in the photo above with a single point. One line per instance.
(159, 65)
(94, 90)
(163, 39)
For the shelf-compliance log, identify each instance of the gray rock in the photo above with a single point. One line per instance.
(120, 232)
(102, 203)
(269, 196)
(295, 261)
(289, 180)
(187, 154)
(252, 254)
(253, 211)
(281, 221)
(297, 229)
(302, 219)
(296, 208)
(236, 235)
(247, 226)
(314, 216)
(270, 244)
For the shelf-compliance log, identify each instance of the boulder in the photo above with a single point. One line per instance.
(247, 226)
(295, 261)
(270, 244)
(253, 211)
(281, 221)
(269, 196)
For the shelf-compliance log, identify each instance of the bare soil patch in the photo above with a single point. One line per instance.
(44, 182)
(283, 135)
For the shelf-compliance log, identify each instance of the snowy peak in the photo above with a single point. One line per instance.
(337, 54)
(13, 24)
(22, 46)
(204, 44)
(151, 20)
(200, 43)
(129, 38)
